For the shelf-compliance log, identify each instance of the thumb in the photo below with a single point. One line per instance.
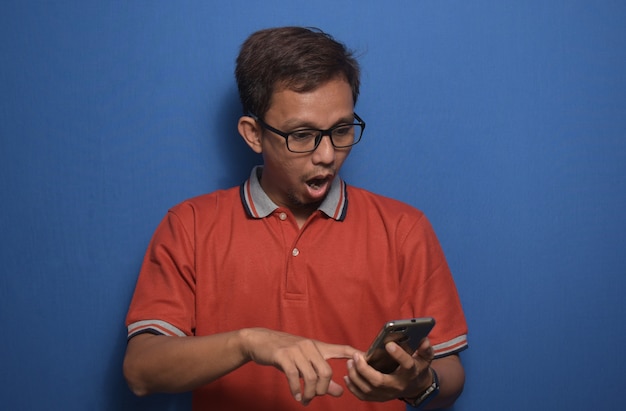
(335, 389)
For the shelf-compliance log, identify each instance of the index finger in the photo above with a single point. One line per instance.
(336, 351)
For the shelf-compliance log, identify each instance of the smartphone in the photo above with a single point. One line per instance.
(407, 333)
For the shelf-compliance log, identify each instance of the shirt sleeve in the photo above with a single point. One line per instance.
(164, 297)
(428, 288)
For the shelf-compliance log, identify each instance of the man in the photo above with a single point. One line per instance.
(262, 297)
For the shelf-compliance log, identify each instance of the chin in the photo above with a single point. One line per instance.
(299, 203)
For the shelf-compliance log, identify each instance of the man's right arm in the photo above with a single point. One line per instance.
(156, 363)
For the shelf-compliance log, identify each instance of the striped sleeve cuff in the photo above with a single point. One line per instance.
(453, 346)
(153, 327)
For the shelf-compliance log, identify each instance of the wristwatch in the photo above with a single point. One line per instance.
(424, 398)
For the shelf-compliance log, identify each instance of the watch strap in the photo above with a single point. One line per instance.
(424, 398)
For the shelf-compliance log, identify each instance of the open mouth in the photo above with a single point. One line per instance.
(317, 183)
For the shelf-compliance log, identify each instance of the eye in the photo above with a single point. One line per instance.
(343, 130)
(303, 134)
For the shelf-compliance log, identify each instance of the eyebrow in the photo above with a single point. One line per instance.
(296, 123)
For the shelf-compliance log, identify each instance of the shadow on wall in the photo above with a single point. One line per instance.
(238, 158)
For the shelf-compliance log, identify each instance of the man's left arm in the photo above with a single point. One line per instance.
(451, 381)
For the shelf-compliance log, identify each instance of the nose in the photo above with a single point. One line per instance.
(325, 151)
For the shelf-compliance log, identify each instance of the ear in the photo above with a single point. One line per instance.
(251, 132)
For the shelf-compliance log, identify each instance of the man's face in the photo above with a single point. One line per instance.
(300, 181)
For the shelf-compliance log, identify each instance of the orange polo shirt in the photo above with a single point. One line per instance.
(232, 259)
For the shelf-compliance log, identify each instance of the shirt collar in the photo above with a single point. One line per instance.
(258, 204)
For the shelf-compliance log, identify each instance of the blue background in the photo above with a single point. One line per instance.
(505, 121)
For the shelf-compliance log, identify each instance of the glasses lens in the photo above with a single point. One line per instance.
(345, 135)
(302, 141)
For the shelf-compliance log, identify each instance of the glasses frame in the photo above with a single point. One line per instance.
(318, 139)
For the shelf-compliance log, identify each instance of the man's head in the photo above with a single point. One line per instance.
(296, 58)
(298, 85)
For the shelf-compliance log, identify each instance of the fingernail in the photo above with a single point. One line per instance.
(298, 397)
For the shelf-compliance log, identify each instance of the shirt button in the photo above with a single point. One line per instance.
(282, 216)
(295, 252)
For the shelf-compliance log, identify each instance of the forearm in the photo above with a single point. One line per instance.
(156, 363)
(451, 381)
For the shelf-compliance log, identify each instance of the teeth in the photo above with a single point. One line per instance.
(314, 184)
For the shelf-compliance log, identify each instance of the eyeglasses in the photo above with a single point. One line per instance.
(306, 140)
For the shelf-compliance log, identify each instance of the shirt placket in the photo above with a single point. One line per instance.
(295, 268)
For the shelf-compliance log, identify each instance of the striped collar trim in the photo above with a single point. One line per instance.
(259, 205)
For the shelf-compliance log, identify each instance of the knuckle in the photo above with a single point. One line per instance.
(309, 378)
(377, 381)
(307, 373)
(325, 372)
(306, 344)
(367, 391)
(291, 373)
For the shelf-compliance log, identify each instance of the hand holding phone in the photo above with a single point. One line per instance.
(408, 334)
